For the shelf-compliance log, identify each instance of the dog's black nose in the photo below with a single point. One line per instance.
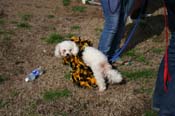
(67, 55)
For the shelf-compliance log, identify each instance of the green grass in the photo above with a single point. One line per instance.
(2, 21)
(51, 27)
(50, 16)
(30, 109)
(79, 8)
(56, 94)
(3, 79)
(23, 25)
(150, 113)
(66, 2)
(14, 22)
(69, 35)
(138, 57)
(157, 50)
(53, 38)
(67, 75)
(14, 93)
(6, 32)
(98, 29)
(64, 114)
(75, 27)
(131, 53)
(134, 75)
(3, 103)
(23, 22)
(25, 17)
(6, 35)
(141, 58)
(144, 90)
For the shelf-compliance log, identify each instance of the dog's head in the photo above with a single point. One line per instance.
(66, 48)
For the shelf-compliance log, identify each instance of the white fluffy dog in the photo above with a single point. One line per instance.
(93, 58)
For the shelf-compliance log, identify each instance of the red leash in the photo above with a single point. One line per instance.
(166, 72)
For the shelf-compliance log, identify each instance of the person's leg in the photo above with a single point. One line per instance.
(159, 88)
(111, 10)
(115, 44)
(137, 9)
(160, 97)
(126, 8)
(167, 103)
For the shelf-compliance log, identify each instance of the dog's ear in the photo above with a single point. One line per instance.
(57, 52)
(75, 49)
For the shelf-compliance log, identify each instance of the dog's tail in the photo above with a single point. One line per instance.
(112, 75)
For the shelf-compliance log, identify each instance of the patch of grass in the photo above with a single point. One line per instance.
(144, 90)
(64, 114)
(51, 27)
(2, 79)
(25, 17)
(157, 50)
(3, 103)
(134, 75)
(79, 8)
(50, 16)
(130, 53)
(98, 29)
(67, 75)
(55, 94)
(140, 58)
(2, 31)
(66, 2)
(60, 114)
(6, 37)
(69, 35)
(14, 22)
(75, 27)
(53, 38)
(23, 25)
(30, 109)
(2, 21)
(33, 105)
(6, 32)
(150, 113)
(14, 93)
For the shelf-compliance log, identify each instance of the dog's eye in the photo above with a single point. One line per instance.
(64, 51)
(70, 50)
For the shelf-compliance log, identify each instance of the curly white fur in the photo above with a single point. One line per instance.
(83, 1)
(93, 58)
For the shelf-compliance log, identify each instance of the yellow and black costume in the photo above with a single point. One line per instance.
(81, 74)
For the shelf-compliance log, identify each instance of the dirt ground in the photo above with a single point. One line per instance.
(22, 49)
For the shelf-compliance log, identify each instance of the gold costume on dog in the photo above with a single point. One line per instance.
(81, 74)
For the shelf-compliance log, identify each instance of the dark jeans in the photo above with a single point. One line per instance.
(115, 13)
(165, 101)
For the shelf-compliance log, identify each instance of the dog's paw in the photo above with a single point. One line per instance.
(101, 89)
(84, 1)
